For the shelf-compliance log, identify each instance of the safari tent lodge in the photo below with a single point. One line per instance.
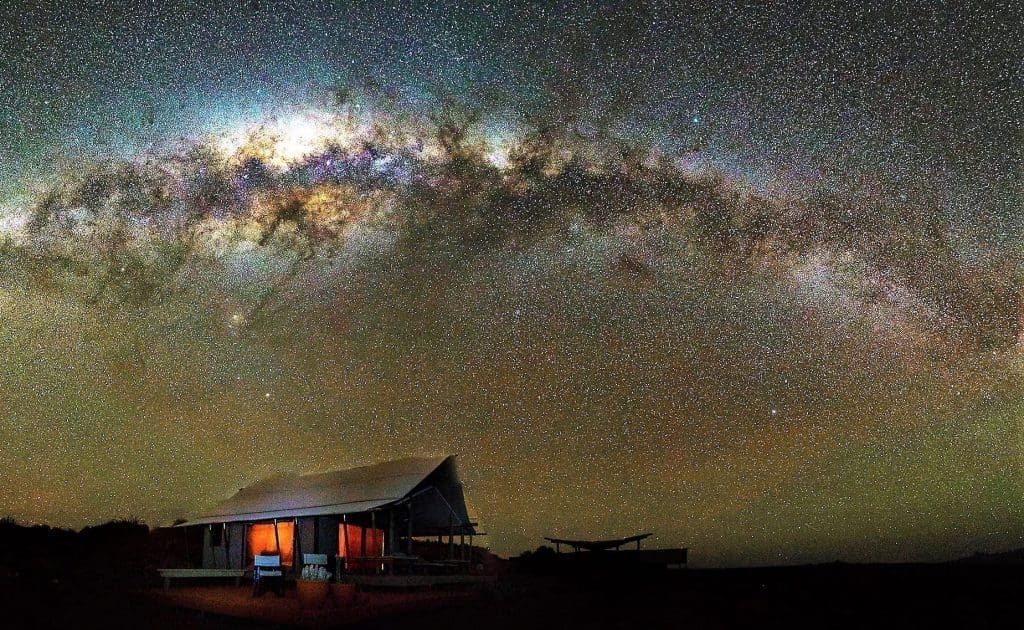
(365, 518)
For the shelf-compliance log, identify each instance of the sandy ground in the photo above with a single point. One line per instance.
(238, 602)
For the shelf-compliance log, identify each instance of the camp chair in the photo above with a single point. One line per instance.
(267, 573)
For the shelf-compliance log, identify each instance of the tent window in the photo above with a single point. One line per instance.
(262, 540)
(374, 541)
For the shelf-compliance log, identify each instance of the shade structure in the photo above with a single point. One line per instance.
(429, 484)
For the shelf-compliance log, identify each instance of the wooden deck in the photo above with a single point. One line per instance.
(238, 602)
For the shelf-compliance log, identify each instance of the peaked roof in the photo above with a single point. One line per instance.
(337, 492)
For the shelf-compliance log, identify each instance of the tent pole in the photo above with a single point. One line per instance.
(409, 550)
(277, 539)
(451, 537)
(373, 532)
(391, 533)
(344, 531)
(296, 543)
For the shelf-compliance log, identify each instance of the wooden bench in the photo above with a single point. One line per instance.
(190, 574)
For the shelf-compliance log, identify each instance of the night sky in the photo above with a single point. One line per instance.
(749, 278)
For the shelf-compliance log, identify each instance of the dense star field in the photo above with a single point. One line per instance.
(750, 279)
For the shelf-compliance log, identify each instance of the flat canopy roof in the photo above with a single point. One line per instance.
(432, 482)
(598, 545)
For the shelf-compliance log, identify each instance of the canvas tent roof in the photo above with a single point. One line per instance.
(338, 492)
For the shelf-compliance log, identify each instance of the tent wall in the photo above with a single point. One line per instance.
(306, 537)
(214, 553)
(236, 545)
(389, 526)
(223, 547)
(228, 550)
(327, 535)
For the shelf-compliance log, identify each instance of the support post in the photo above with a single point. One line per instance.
(451, 537)
(225, 540)
(277, 539)
(211, 550)
(296, 545)
(379, 567)
(409, 541)
(344, 533)
(390, 546)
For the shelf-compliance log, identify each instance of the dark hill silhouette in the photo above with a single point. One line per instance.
(1014, 556)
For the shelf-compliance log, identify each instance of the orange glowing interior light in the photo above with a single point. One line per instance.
(374, 541)
(262, 540)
